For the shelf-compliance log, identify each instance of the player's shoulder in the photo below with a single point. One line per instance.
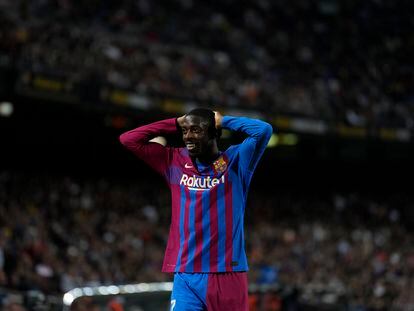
(232, 150)
(179, 153)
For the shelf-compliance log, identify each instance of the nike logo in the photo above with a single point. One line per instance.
(188, 166)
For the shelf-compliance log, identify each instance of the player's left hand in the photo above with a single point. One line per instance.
(218, 117)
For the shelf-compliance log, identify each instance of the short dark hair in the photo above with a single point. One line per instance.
(209, 116)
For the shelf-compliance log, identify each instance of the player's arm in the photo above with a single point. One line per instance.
(148, 143)
(258, 135)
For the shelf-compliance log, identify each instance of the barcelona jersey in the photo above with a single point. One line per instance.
(208, 201)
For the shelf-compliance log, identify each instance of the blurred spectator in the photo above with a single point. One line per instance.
(13, 303)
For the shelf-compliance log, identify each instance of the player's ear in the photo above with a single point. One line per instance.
(218, 133)
(212, 132)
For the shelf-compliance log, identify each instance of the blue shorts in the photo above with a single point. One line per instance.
(210, 292)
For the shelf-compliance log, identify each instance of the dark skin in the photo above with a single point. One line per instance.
(196, 138)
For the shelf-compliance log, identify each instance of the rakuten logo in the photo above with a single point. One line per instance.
(200, 183)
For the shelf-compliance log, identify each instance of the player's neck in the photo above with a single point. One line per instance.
(208, 157)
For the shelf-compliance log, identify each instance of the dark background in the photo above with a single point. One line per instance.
(67, 138)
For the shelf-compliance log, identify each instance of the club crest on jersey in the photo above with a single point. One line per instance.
(220, 165)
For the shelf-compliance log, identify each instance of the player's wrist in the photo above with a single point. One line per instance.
(180, 121)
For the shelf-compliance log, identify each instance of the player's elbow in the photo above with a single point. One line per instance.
(267, 130)
(124, 139)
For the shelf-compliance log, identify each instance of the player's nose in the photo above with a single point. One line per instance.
(188, 135)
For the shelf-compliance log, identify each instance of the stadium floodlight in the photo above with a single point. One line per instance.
(113, 290)
(273, 142)
(128, 289)
(285, 139)
(289, 139)
(6, 109)
(70, 296)
(89, 291)
(103, 290)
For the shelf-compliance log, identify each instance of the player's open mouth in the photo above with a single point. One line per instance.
(190, 146)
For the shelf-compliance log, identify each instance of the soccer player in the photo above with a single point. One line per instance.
(205, 248)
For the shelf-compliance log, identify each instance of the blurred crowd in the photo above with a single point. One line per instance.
(60, 232)
(344, 61)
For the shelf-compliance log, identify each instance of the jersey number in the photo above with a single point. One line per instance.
(172, 305)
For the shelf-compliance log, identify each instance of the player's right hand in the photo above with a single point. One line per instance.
(159, 140)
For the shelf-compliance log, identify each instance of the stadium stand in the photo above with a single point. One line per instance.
(338, 61)
(59, 233)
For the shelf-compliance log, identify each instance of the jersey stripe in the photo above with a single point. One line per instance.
(213, 230)
(237, 225)
(184, 256)
(221, 227)
(205, 197)
(174, 239)
(181, 226)
(198, 232)
(192, 232)
(229, 224)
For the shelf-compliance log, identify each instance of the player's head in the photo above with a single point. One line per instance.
(199, 132)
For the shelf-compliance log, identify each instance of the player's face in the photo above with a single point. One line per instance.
(195, 135)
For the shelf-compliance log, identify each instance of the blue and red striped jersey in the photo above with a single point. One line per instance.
(208, 202)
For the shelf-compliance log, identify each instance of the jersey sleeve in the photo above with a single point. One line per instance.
(252, 148)
(155, 155)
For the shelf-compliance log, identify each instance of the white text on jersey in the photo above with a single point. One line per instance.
(200, 183)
